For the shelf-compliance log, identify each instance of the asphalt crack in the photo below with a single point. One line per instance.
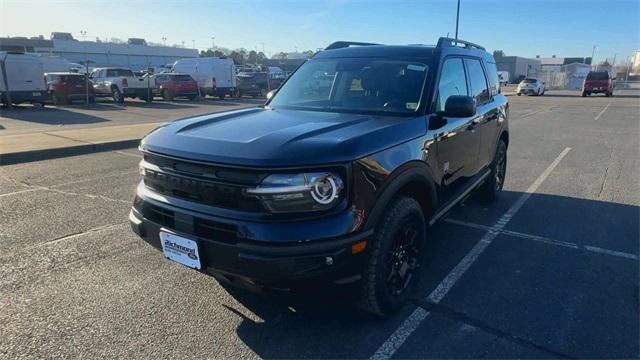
(452, 314)
(606, 173)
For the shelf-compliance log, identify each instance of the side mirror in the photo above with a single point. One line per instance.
(459, 106)
(270, 94)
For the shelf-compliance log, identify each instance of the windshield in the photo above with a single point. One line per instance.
(598, 76)
(354, 85)
(119, 72)
(528, 81)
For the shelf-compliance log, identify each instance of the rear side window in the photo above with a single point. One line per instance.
(119, 72)
(73, 78)
(492, 74)
(479, 90)
(452, 81)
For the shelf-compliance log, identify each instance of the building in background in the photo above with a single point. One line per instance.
(135, 54)
(517, 67)
(634, 70)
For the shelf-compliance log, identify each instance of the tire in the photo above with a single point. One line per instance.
(191, 97)
(117, 95)
(167, 95)
(492, 186)
(607, 94)
(584, 94)
(519, 94)
(383, 290)
(92, 100)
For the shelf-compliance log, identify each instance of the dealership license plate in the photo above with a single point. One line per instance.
(180, 249)
(36, 94)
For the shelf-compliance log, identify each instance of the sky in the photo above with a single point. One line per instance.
(565, 28)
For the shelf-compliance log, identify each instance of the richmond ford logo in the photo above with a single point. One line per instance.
(170, 245)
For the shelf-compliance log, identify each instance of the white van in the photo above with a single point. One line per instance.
(215, 76)
(503, 77)
(25, 78)
(54, 63)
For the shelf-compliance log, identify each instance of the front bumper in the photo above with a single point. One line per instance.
(527, 91)
(232, 255)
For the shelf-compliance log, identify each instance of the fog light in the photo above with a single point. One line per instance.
(328, 260)
(358, 247)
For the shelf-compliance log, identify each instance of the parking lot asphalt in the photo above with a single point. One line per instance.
(549, 270)
(25, 119)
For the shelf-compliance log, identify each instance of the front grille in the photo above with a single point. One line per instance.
(206, 184)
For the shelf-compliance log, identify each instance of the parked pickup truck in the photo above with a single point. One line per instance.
(119, 83)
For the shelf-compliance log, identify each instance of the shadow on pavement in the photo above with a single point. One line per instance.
(53, 116)
(320, 323)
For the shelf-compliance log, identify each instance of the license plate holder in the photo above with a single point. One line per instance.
(180, 249)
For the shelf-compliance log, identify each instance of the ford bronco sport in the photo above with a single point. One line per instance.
(332, 181)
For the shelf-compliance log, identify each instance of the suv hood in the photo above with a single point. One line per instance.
(275, 138)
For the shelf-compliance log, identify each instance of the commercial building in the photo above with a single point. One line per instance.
(517, 67)
(135, 54)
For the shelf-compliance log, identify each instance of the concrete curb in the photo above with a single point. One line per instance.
(46, 154)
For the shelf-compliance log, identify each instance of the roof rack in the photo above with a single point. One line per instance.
(345, 44)
(449, 42)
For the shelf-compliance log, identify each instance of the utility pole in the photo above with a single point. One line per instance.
(457, 20)
(593, 52)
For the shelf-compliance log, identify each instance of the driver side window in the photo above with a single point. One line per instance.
(452, 81)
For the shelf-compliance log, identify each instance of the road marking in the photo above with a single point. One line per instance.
(546, 240)
(19, 192)
(136, 155)
(409, 325)
(516, 234)
(611, 252)
(602, 112)
(531, 113)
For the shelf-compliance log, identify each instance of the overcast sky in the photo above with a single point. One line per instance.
(525, 28)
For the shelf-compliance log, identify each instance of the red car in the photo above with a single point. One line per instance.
(64, 87)
(597, 82)
(172, 85)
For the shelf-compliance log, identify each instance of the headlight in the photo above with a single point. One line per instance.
(141, 168)
(299, 192)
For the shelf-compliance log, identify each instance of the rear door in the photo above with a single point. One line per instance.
(484, 124)
(24, 73)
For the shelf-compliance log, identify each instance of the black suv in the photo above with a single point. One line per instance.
(336, 178)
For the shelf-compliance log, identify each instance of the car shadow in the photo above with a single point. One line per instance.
(321, 323)
(52, 116)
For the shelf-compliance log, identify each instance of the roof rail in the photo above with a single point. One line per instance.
(344, 44)
(449, 42)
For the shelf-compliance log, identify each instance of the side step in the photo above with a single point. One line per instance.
(459, 197)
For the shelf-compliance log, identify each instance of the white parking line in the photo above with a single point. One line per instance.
(611, 252)
(602, 112)
(409, 325)
(546, 240)
(19, 192)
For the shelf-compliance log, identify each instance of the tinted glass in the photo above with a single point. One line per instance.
(478, 82)
(119, 72)
(354, 85)
(529, 81)
(452, 82)
(180, 78)
(72, 78)
(602, 75)
(492, 74)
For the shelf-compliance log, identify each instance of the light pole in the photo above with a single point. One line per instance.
(593, 53)
(193, 43)
(457, 20)
(213, 43)
(183, 44)
(164, 40)
(84, 34)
